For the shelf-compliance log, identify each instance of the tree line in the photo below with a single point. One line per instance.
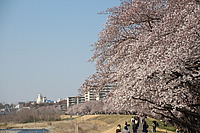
(26, 115)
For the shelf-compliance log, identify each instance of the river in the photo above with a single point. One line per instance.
(24, 131)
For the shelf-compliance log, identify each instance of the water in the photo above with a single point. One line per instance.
(24, 131)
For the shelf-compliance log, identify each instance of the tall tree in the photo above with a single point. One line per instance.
(151, 50)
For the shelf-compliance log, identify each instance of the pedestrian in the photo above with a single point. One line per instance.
(135, 124)
(132, 119)
(145, 127)
(143, 119)
(118, 130)
(154, 125)
(126, 129)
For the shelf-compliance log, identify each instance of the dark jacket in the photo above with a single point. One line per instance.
(145, 127)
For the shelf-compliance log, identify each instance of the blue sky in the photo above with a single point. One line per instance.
(45, 45)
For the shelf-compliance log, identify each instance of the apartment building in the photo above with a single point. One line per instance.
(103, 93)
(93, 95)
(75, 100)
(80, 99)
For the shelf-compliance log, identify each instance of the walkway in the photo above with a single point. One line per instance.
(139, 129)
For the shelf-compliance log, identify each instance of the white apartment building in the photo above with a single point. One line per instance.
(75, 100)
(93, 95)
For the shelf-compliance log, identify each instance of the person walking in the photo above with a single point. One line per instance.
(134, 128)
(132, 119)
(137, 122)
(118, 130)
(154, 125)
(143, 119)
(145, 127)
(126, 129)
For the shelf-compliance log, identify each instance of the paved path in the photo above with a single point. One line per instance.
(139, 129)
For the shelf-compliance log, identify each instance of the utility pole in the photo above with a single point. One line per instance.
(76, 127)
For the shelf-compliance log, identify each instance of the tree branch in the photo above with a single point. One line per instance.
(190, 113)
(142, 99)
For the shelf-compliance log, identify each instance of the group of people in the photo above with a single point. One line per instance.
(136, 121)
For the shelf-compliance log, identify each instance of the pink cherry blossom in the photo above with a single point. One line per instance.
(150, 49)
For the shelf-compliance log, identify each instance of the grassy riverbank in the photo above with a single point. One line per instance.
(85, 124)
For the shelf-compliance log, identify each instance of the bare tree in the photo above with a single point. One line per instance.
(151, 51)
(25, 115)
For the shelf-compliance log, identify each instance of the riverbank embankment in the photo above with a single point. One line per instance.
(84, 124)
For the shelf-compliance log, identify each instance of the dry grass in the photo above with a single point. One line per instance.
(64, 117)
(84, 124)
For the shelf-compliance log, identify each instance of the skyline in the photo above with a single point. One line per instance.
(45, 45)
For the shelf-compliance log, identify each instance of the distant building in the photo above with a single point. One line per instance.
(103, 93)
(62, 105)
(80, 99)
(20, 105)
(48, 101)
(75, 100)
(44, 100)
(71, 101)
(32, 102)
(94, 95)
(39, 99)
(58, 100)
(91, 95)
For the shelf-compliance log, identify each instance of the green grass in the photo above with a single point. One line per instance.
(162, 125)
(113, 120)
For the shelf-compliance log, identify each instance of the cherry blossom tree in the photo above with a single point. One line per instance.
(89, 107)
(150, 49)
